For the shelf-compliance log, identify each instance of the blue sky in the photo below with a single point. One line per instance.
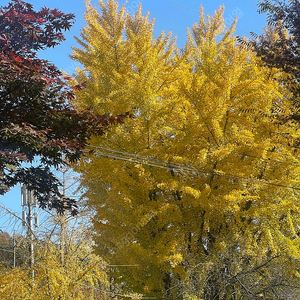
(174, 16)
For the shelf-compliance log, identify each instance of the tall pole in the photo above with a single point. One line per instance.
(28, 202)
(62, 220)
(14, 248)
(30, 234)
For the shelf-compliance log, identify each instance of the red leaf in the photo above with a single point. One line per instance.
(120, 119)
(18, 59)
(40, 20)
(29, 17)
(70, 95)
(112, 119)
(66, 77)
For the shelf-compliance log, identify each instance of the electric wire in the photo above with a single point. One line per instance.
(167, 165)
(183, 6)
(146, 158)
(176, 167)
(67, 277)
(180, 168)
(82, 284)
(139, 159)
(223, 150)
(188, 8)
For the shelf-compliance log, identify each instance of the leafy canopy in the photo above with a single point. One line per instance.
(38, 124)
(80, 275)
(207, 165)
(279, 46)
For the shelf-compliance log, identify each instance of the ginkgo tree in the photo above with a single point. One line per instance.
(76, 274)
(206, 166)
(62, 263)
(65, 267)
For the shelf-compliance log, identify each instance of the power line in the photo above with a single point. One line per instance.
(81, 284)
(5, 250)
(64, 275)
(179, 168)
(142, 160)
(141, 157)
(183, 6)
(121, 265)
(173, 164)
(186, 7)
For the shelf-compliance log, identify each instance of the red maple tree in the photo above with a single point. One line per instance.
(37, 121)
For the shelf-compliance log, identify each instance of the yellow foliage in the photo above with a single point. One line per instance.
(216, 164)
(79, 275)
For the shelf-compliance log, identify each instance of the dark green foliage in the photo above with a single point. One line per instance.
(282, 48)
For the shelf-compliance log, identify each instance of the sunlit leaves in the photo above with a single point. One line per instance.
(79, 275)
(207, 164)
(38, 121)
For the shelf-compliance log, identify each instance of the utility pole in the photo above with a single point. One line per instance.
(63, 219)
(14, 248)
(30, 218)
